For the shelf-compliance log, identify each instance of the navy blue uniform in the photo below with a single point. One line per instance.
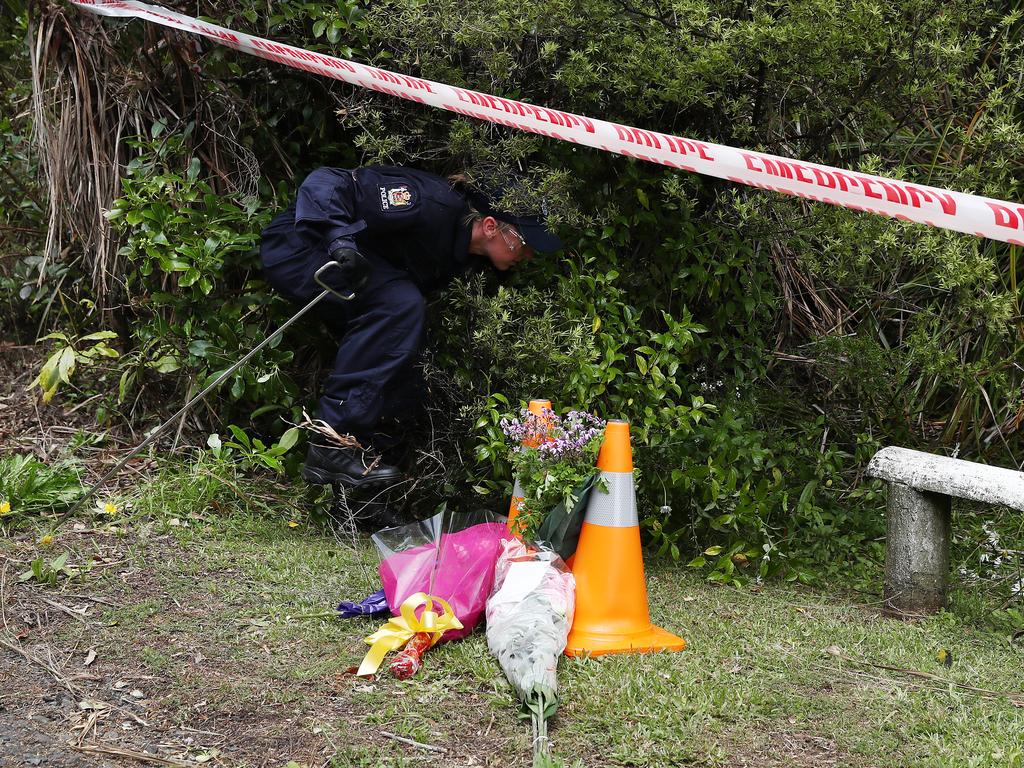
(411, 226)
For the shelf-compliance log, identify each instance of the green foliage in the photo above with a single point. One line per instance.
(157, 202)
(520, 338)
(771, 503)
(761, 346)
(28, 487)
(196, 301)
(647, 360)
(253, 452)
(48, 572)
(60, 365)
(813, 80)
(22, 203)
(330, 21)
(986, 556)
(769, 476)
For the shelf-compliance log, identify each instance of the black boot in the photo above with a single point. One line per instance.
(350, 467)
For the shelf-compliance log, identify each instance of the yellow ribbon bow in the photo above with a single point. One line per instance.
(399, 630)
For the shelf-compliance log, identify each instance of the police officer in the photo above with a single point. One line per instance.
(398, 234)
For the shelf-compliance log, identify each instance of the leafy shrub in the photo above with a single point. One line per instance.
(251, 451)
(22, 201)
(507, 340)
(197, 302)
(47, 573)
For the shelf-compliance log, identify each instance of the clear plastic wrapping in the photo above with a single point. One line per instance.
(529, 614)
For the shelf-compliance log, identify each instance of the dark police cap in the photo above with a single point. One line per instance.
(530, 224)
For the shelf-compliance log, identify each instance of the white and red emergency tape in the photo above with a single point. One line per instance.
(946, 209)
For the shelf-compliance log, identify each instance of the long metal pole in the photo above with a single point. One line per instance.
(208, 389)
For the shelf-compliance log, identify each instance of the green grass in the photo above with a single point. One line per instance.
(779, 676)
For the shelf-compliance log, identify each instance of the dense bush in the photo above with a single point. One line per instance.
(186, 245)
(761, 346)
(22, 203)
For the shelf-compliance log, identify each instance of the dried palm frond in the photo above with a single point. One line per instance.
(78, 133)
(812, 308)
(321, 427)
(97, 85)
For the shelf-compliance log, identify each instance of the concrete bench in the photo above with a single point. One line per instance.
(921, 487)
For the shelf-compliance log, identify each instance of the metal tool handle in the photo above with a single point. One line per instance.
(319, 281)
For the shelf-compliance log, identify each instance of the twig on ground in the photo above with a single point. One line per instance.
(3, 597)
(95, 713)
(489, 726)
(1013, 696)
(99, 600)
(134, 754)
(87, 401)
(129, 713)
(198, 730)
(70, 612)
(411, 743)
(325, 734)
(108, 565)
(52, 669)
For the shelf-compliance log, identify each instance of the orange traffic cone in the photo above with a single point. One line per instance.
(536, 407)
(611, 594)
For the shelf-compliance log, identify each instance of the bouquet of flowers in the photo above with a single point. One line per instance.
(553, 458)
(529, 614)
(436, 575)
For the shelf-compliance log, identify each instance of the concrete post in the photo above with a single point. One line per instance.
(917, 551)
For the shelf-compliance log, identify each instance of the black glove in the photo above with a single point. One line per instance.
(353, 270)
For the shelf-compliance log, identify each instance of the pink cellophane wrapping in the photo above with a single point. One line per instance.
(461, 565)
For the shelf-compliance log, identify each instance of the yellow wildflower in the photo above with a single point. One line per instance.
(47, 540)
(109, 508)
(292, 524)
(5, 507)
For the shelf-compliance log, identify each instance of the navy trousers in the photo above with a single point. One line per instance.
(380, 335)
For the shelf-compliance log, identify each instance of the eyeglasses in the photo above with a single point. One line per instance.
(515, 233)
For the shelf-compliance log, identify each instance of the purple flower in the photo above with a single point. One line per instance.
(553, 437)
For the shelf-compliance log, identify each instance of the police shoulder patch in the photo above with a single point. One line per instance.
(399, 196)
